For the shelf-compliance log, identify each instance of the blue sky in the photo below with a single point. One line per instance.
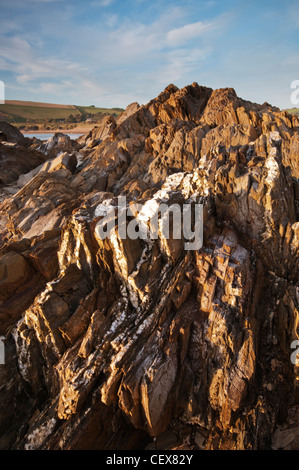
(113, 52)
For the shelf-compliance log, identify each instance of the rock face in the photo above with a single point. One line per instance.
(9, 133)
(138, 342)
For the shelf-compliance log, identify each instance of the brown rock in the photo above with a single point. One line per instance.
(14, 271)
(122, 343)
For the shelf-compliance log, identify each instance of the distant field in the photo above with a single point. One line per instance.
(293, 111)
(95, 110)
(37, 104)
(29, 112)
(21, 113)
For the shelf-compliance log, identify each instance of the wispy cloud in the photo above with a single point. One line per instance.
(140, 42)
(101, 3)
(111, 52)
(20, 57)
(121, 53)
(180, 36)
(179, 64)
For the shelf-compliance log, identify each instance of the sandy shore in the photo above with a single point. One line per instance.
(75, 130)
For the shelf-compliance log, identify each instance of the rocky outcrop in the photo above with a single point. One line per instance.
(22, 158)
(57, 144)
(11, 134)
(139, 342)
(16, 160)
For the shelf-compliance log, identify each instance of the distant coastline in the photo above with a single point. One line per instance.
(46, 118)
(75, 130)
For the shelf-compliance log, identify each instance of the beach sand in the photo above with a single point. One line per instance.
(74, 130)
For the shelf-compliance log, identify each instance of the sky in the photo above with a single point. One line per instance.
(111, 53)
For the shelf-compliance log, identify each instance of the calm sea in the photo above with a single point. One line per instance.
(48, 135)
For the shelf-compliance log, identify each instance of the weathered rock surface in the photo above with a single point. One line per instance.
(140, 343)
(57, 144)
(15, 160)
(11, 134)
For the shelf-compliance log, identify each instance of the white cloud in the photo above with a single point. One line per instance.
(101, 3)
(180, 36)
(180, 64)
(137, 42)
(210, 4)
(111, 20)
(19, 56)
(8, 26)
(133, 59)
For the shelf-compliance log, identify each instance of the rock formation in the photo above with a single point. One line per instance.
(138, 343)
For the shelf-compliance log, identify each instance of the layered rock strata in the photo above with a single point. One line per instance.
(133, 343)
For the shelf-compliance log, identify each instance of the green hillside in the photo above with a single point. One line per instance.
(293, 111)
(95, 110)
(22, 113)
(19, 113)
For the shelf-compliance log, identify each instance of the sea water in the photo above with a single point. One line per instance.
(48, 135)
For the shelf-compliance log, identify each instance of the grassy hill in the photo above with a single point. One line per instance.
(20, 113)
(293, 111)
(95, 110)
(25, 113)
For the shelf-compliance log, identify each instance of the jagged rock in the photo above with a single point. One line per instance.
(11, 134)
(57, 144)
(62, 161)
(131, 109)
(14, 271)
(17, 160)
(98, 133)
(125, 343)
